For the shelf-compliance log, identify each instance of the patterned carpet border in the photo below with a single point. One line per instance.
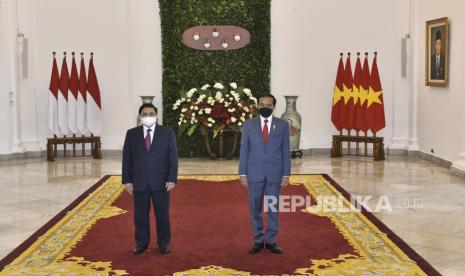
(421, 262)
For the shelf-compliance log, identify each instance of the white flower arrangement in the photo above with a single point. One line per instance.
(214, 108)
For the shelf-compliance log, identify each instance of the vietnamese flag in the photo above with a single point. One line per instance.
(359, 115)
(363, 95)
(338, 103)
(347, 96)
(375, 104)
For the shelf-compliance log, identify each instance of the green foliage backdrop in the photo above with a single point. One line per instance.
(184, 68)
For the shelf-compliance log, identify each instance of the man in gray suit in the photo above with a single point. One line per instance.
(265, 167)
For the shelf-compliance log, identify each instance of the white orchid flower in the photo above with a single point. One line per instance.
(218, 86)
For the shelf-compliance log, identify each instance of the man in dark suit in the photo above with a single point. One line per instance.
(437, 59)
(150, 169)
(265, 167)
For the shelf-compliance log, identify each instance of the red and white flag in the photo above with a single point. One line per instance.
(63, 98)
(81, 100)
(53, 99)
(72, 97)
(94, 105)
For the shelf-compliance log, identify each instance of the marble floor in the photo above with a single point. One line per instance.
(428, 202)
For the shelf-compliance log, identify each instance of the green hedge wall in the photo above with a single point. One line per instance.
(184, 68)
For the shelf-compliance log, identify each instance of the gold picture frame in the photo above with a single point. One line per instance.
(437, 53)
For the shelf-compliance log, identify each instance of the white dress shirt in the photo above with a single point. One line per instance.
(151, 132)
(262, 119)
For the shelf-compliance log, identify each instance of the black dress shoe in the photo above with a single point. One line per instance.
(164, 250)
(274, 248)
(139, 249)
(256, 248)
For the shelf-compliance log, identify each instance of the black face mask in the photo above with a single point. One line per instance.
(265, 112)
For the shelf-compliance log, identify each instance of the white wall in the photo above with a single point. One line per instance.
(441, 111)
(307, 37)
(125, 38)
(5, 145)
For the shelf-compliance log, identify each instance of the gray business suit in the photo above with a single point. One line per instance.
(264, 165)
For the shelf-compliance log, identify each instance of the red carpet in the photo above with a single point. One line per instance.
(211, 226)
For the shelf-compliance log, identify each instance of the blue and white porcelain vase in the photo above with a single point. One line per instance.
(295, 121)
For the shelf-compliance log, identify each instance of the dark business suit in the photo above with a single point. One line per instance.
(149, 171)
(437, 71)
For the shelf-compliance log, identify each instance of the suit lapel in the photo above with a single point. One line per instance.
(258, 128)
(273, 128)
(140, 139)
(156, 138)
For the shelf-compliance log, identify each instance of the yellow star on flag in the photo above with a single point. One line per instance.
(337, 95)
(346, 94)
(373, 97)
(355, 94)
(362, 95)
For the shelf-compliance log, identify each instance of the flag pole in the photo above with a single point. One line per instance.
(74, 135)
(348, 130)
(366, 144)
(64, 134)
(357, 146)
(366, 131)
(56, 113)
(92, 147)
(340, 131)
(54, 135)
(376, 55)
(83, 145)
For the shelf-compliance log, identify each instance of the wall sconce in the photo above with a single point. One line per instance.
(215, 33)
(237, 37)
(196, 36)
(206, 44)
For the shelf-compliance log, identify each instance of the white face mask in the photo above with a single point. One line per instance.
(148, 121)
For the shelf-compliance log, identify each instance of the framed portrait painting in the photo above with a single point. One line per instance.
(437, 52)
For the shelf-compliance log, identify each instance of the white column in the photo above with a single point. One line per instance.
(414, 72)
(27, 84)
(400, 97)
(5, 120)
(144, 54)
(10, 87)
